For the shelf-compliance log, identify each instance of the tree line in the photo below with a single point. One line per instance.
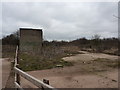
(95, 43)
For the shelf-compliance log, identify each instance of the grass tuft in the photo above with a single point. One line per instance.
(30, 63)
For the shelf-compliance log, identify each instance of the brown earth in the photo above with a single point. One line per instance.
(90, 70)
(5, 68)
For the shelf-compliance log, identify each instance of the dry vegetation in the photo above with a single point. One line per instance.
(53, 52)
(51, 57)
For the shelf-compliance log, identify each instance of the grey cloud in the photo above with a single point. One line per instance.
(62, 21)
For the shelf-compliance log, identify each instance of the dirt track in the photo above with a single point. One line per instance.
(5, 69)
(86, 73)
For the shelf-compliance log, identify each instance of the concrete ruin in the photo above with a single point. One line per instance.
(31, 40)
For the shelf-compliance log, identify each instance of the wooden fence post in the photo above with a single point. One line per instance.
(17, 76)
(46, 82)
(41, 84)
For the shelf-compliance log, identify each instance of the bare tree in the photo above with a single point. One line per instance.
(96, 42)
(96, 37)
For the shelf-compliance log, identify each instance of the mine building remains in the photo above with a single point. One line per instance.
(31, 40)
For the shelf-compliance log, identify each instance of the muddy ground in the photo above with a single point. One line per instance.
(90, 70)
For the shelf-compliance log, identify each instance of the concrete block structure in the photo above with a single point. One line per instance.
(30, 40)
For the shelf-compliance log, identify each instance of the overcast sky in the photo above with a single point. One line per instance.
(62, 21)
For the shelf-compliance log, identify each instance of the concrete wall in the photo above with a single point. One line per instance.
(31, 40)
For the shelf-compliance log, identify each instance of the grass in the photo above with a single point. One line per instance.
(51, 57)
(71, 52)
(115, 64)
(30, 63)
(100, 65)
(108, 63)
